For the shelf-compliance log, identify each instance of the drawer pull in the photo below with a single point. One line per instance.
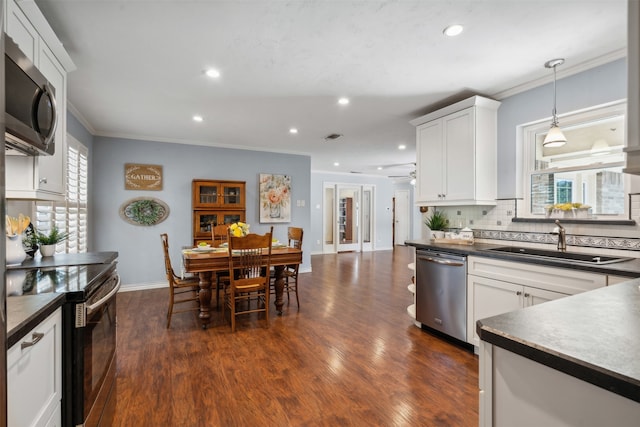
(35, 337)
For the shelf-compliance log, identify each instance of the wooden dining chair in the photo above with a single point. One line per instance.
(294, 235)
(219, 235)
(178, 287)
(249, 264)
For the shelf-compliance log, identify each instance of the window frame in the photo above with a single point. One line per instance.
(527, 134)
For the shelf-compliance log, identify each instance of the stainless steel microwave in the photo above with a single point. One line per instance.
(30, 105)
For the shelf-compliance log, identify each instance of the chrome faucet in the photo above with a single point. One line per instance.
(562, 238)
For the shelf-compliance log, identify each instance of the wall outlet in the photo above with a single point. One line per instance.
(317, 242)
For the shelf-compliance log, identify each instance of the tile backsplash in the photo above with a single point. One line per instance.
(492, 224)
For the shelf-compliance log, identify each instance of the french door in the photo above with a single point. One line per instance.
(348, 217)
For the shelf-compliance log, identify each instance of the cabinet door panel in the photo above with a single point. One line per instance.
(51, 170)
(206, 194)
(488, 298)
(430, 175)
(34, 375)
(21, 31)
(533, 296)
(459, 156)
(232, 196)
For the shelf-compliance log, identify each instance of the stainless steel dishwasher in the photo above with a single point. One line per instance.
(441, 292)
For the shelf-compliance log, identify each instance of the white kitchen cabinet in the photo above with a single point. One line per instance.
(456, 154)
(498, 286)
(39, 177)
(516, 391)
(34, 376)
(491, 297)
(20, 29)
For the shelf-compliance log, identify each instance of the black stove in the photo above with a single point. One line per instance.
(88, 334)
(77, 282)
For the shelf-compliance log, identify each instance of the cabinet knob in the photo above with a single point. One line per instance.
(519, 293)
(43, 180)
(527, 295)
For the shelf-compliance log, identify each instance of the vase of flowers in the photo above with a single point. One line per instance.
(15, 253)
(239, 229)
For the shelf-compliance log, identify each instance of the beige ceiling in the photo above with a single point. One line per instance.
(140, 67)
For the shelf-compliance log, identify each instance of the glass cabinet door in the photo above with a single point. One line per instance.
(232, 195)
(204, 222)
(206, 195)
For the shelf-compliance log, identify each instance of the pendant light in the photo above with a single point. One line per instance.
(555, 137)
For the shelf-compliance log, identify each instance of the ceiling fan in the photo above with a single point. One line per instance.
(411, 175)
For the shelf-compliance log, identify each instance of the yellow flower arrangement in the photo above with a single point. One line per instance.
(239, 229)
(16, 226)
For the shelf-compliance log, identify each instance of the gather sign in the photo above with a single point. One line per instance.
(142, 177)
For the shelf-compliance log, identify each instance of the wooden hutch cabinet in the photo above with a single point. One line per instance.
(216, 202)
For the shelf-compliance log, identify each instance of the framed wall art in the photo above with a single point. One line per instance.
(142, 177)
(275, 198)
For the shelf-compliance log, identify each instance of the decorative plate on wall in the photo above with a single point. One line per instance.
(144, 211)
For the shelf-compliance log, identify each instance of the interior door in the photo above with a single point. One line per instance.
(367, 213)
(348, 218)
(328, 218)
(401, 217)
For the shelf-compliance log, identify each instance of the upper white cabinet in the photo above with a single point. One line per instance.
(456, 150)
(39, 177)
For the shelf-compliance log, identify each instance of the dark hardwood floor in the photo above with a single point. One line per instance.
(350, 357)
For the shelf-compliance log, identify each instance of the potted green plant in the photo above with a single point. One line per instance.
(437, 223)
(49, 241)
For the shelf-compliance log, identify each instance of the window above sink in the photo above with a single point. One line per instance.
(583, 179)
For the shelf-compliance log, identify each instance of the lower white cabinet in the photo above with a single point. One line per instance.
(497, 286)
(34, 376)
(516, 391)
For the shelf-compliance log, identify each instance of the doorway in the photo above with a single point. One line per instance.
(401, 217)
(348, 217)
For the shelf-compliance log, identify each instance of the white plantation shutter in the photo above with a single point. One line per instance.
(70, 215)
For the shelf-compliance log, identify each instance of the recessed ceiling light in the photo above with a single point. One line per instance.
(336, 164)
(379, 168)
(293, 130)
(197, 118)
(343, 101)
(453, 30)
(402, 147)
(214, 74)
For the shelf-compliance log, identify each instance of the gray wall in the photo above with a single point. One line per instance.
(596, 86)
(141, 259)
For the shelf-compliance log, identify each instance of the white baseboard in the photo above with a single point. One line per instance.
(143, 286)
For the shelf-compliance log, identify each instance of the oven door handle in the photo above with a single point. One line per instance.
(93, 307)
(442, 261)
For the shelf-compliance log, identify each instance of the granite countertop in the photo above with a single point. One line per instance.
(26, 312)
(593, 336)
(630, 268)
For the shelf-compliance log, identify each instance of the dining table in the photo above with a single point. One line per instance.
(206, 263)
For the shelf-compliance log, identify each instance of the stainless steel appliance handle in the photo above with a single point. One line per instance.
(54, 113)
(442, 261)
(93, 307)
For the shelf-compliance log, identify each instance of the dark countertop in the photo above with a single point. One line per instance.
(26, 312)
(60, 260)
(629, 268)
(593, 336)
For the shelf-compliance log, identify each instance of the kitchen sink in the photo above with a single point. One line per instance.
(570, 257)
